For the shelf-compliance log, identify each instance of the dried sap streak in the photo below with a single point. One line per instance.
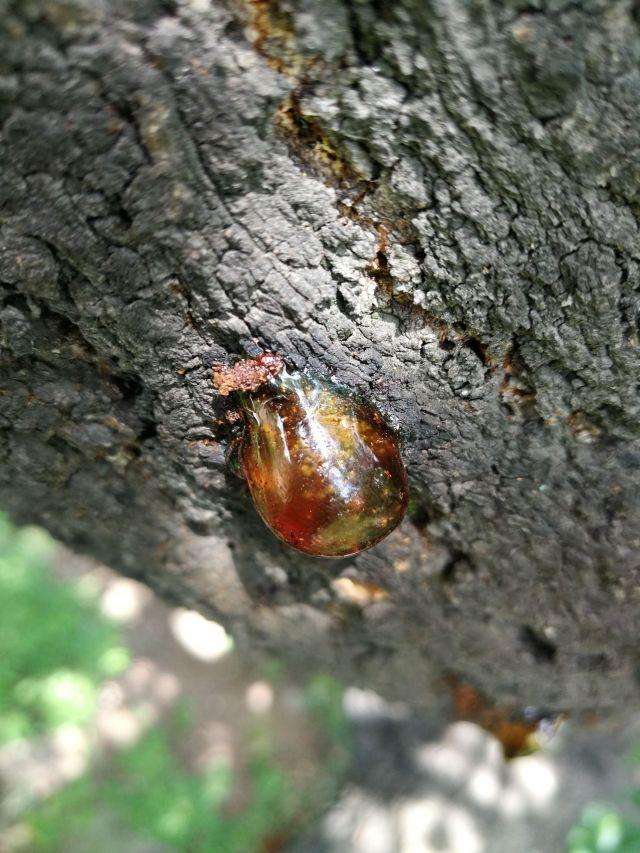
(323, 467)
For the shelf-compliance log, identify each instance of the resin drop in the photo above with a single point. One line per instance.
(323, 467)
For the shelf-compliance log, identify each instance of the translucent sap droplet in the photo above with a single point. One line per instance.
(323, 467)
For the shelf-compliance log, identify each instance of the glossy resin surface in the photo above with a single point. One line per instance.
(323, 467)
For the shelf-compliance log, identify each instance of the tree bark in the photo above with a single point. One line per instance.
(437, 203)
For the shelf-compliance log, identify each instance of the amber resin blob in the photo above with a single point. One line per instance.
(323, 467)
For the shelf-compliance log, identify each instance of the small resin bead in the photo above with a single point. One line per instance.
(323, 467)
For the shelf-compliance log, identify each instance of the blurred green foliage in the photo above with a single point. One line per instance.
(146, 791)
(605, 829)
(57, 648)
(602, 829)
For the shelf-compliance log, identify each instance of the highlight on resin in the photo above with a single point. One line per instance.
(323, 467)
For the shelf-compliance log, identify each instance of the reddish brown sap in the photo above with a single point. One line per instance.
(324, 469)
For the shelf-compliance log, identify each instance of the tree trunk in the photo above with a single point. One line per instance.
(437, 203)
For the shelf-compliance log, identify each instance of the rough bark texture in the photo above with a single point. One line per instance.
(435, 202)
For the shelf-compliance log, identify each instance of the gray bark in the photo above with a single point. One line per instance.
(435, 202)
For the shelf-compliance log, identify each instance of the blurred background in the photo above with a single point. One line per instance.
(128, 725)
